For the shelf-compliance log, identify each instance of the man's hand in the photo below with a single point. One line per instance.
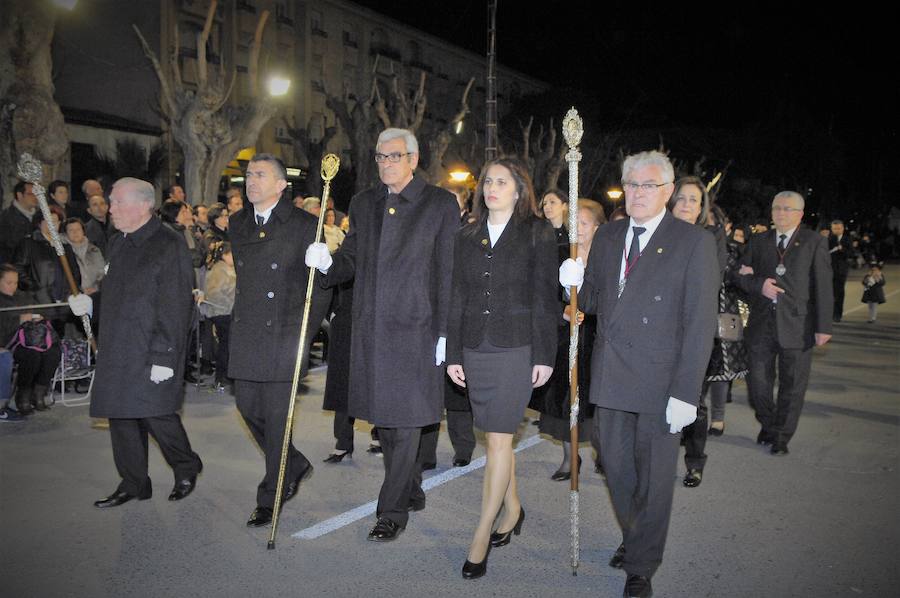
(745, 270)
(770, 290)
(679, 414)
(159, 373)
(81, 304)
(440, 351)
(456, 374)
(571, 273)
(567, 315)
(540, 374)
(318, 256)
(821, 339)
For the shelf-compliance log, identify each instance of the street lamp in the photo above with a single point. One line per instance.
(614, 194)
(278, 85)
(460, 176)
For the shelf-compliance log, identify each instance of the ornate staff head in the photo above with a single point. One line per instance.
(31, 171)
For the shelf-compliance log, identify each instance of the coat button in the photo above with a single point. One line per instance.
(391, 211)
(270, 295)
(268, 322)
(486, 312)
(644, 320)
(274, 266)
(489, 255)
(487, 293)
(236, 319)
(237, 291)
(657, 298)
(486, 274)
(240, 262)
(262, 235)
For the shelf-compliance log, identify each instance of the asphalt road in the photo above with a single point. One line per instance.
(822, 521)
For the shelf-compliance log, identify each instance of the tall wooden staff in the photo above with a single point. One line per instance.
(330, 165)
(572, 129)
(31, 171)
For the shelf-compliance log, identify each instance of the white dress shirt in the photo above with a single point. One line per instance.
(644, 238)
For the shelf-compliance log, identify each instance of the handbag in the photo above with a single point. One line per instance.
(37, 335)
(730, 327)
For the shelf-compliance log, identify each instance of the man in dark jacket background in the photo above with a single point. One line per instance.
(17, 221)
(138, 383)
(268, 243)
(400, 253)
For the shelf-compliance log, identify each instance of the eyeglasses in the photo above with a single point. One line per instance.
(392, 157)
(787, 209)
(642, 186)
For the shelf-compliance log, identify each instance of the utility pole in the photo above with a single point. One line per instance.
(490, 150)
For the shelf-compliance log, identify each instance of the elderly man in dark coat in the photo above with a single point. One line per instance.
(400, 251)
(268, 243)
(138, 383)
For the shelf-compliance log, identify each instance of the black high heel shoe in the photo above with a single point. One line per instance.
(337, 458)
(472, 570)
(560, 476)
(502, 539)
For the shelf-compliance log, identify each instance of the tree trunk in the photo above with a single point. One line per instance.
(30, 119)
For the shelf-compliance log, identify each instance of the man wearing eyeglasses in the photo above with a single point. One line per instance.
(787, 274)
(399, 251)
(654, 286)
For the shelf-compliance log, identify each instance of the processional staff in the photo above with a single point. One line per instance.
(330, 165)
(572, 129)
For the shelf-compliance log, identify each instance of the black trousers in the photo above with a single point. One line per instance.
(640, 457)
(462, 437)
(792, 366)
(264, 407)
(839, 281)
(222, 324)
(36, 367)
(402, 485)
(129, 444)
(695, 435)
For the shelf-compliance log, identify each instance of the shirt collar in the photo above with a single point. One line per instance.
(789, 233)
(413, 189)
(145, 232)
(25, 212)
(265, 213)
(651, 225)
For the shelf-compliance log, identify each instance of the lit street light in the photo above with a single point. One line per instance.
(614, 194)
(278, 85)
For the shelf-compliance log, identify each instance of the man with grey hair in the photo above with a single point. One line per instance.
(786, 272)
(138, 383)
(655, 281)
(401, 239)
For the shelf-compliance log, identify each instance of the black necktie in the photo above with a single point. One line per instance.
(634, 252)
(260, 220)
(782, 241)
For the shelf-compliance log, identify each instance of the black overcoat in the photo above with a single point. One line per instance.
(270, 293)
(400, 251)
(147, 307)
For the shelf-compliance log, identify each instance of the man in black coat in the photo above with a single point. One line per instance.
(268, 243)
(400, 252)
(653, 285)
(17, 221)
(787, 275)
(147, 307)
(841, 250)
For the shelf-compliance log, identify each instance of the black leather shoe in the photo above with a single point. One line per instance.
(375, 449)
(429, 466)
(637, 586)
(499, 539)
(693, 477)
(716, 431)
(618, 558)
(472, 570)
(338, 457)
(779, 448)
(120, 498)
(183, 488)
(385, 530)
(561, 476)
(461, 462)
(259, 517)
(764, 437)
(291, 490)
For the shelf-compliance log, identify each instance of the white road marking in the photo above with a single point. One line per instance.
(348, 517)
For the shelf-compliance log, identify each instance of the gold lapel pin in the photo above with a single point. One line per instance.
(659, 250)
(484, 241)
(796, 243)
(262, 235)
(391, 210)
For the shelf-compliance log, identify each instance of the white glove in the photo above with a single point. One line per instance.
(318, 256)
(159, 373)
(571, 273)
(81, 304)
(679, 414)
(440, 351)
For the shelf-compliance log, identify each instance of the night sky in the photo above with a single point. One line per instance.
(729, 65)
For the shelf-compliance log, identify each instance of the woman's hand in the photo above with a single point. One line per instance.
(540, 374)
(456, 374)
(567, 315)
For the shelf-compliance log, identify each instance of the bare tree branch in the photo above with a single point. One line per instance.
(168, 102)
(253, 67)
(202, 39)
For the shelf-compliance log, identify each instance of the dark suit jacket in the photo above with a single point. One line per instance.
(147, 307)
(14, 227)
(507, 293)
(270, 293)
(400, 251)
(840, 258)
(807, 303)
(654, 341)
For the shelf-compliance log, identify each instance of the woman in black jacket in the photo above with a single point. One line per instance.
(501, 339)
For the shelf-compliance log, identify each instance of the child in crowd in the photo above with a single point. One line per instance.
(873, 282)
(219, 300)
